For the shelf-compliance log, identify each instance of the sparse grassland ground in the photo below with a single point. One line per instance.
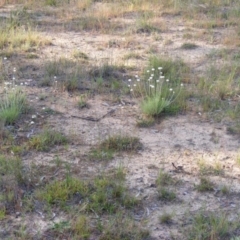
(93, 142)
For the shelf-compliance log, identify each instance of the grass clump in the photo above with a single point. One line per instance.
(108, 71)
(205, 185)
(121, 143)
(14, 35)
(80, 227)
(123, 227)
(225, 190)
(101, 155)
(145, 123)
(58, 192)
(108, 195)
(52, 3)
(11, 166)
(206, 169)
(234, 130)
(47, 139)
(189, 46)
(11, 181)
(164, 179)
(166, 195)
(165, 218)
(103, 194)
(82, 103)
(218, 89)
(12, 105)
(159, 94)
(80, 55)
(211, 226)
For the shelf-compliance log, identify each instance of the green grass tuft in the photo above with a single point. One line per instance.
(211, 226)
(47, 139)
(189, 46)
(58, 192)
(166, 195)
(165, 218)
(12, 105)
(205, 185)
(121, 143)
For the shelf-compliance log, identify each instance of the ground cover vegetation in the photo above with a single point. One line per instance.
(85, 88)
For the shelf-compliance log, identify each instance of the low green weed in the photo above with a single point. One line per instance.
(164, 179)
(145, 123)
(11, 180)
(225, 190)
(58, 192)
(47, 139)
(120, 227)
(166, 195)
(101, 155)
(189, 46)
(165, 218)
(121, 143)
(81, 227)
(104, 194)
(82, 103)
(2, 213)
(109, 195)
(80, 55)
(207, 169)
